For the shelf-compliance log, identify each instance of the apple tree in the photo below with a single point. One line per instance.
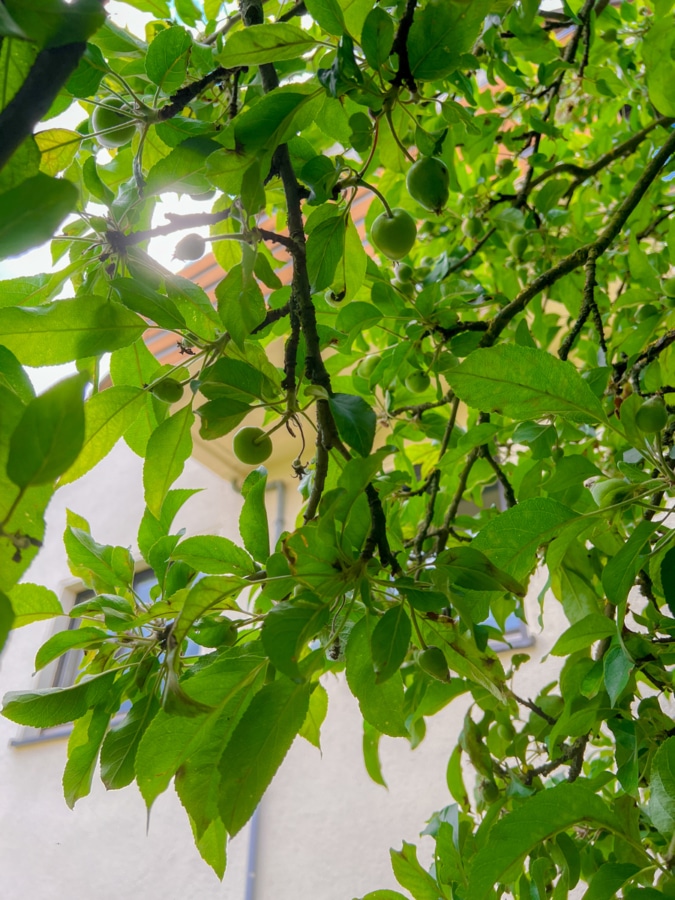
(509, 320)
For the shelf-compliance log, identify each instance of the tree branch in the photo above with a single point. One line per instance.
(50, 71)
(579, 256)
(400, 47)
(187, 94)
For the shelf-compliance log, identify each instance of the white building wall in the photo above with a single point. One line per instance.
(325, 828)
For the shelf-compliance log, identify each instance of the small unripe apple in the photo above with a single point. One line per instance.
(169, 390)
(518, 245)
(432, 661)
(192, 246)
(504, 166)
(505, 98)
(251, 445)
(394, 235)
(106, 117)
(428, 183)
(367, 366)
(407, 288)
(652, 416)
(417, 382)
(472, 227)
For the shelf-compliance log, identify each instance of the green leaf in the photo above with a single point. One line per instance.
(668, 578)
(220, 417)
(355, 421)
(608, 880)
(257, 748)
(154, 306)
(316, 713)
(287, 630)
(380, 704)
(328, 15)
(470, 569)
(6, 618)
(31, 212)
(511, 541)
(276, 117)
(58, 148)
(534, 821)
(64, 641)
(168, 448)
(253, 525)
(56, 706)
(389, 642)
(235, 379)
(183, 170)
(240, 304)
(661, 806)
(441, 32)
(619, 574)
(377, 37)
(87, 76)
(49, 436)
(214, 555)
(259, 44)
(660, 66)
(371, 753)
(616, 668)
(99, 564)
(583, 633)
(166, 59)
(524, 383)
(84, 744)
(212, 845)
(118, 753)
(384, 895)
(68, 330)
(171, 741)
(410, 874)
(212, 592)
(108, 414)
(325, 247)
(33, 603)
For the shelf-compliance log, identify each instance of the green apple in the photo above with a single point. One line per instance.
(417, 382)
(192, 246)
(652, 416)
(432, 661)
(169, 390)
(106, 117)
(367, 366)
(518, 245)
(251, 445)
(394, 235)
(428, 182)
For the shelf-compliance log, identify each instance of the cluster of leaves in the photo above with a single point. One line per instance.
(513, 346)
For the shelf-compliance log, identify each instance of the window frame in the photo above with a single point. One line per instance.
(63, 671)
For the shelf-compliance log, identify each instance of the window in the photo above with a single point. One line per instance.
(63, 671)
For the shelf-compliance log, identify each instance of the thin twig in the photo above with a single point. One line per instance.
(588, 306)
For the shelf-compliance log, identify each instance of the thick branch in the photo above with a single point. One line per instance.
(50, 71)
(400, 47)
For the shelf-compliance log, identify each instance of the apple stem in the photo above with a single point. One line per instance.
(378, 194)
